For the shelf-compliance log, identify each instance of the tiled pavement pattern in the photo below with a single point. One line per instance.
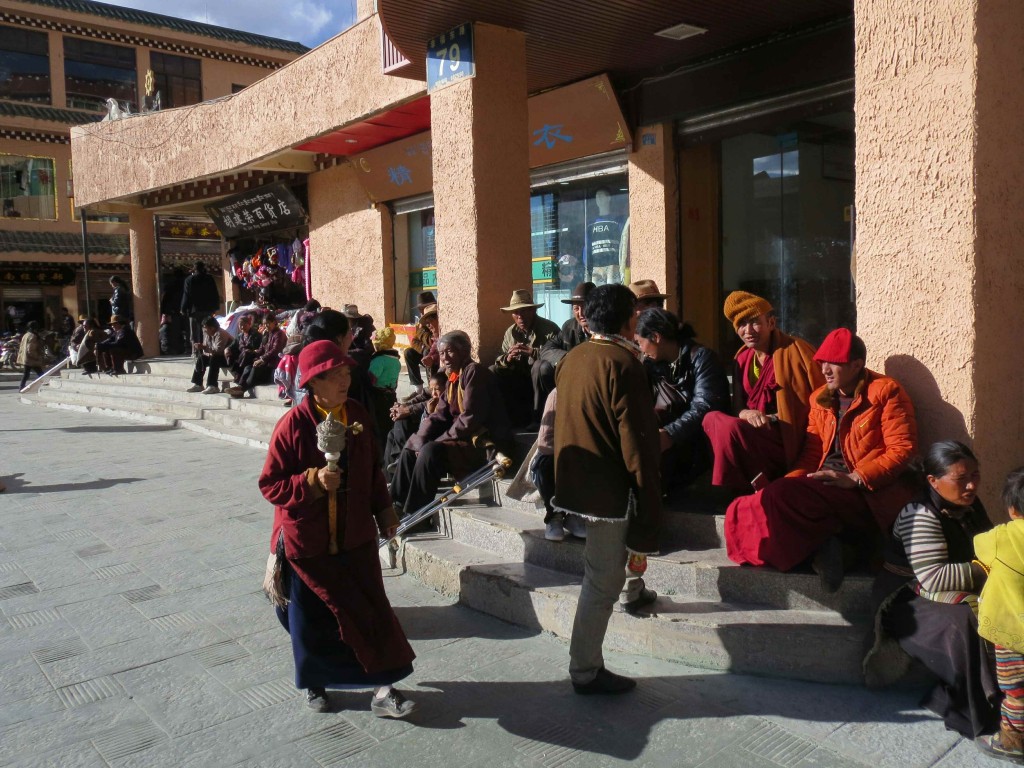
(133, 633)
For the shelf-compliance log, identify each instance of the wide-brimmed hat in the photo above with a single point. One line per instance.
(580, 293)
(351, 311)
(521, 299)
(646, 289)
(117, 319)
(82, 317)
(425, 299)
(320, 357)
(428, 309)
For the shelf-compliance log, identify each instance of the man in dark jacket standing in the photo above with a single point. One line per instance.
(606, 472)
(199, 299)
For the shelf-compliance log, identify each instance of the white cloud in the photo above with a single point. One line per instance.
(310, 22)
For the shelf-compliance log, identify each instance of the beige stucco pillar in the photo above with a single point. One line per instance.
(145, 303)
(654, 211)
(350, 245)
(938, 216)
(482, 189)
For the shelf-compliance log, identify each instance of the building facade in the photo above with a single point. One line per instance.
(61, 62)
(839, 157)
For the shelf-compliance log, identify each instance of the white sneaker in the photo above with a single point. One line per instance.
(576, 526)
(194, 388)
(554, 531)
(211, 391)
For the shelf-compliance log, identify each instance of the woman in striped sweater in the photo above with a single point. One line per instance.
(928, 595)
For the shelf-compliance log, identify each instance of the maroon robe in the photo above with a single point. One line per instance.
(367, 624)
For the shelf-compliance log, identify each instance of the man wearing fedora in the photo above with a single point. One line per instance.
(773, 377)
(573, 333)
(648, 296)
(427, 331)
(122, 344)
(520, 350)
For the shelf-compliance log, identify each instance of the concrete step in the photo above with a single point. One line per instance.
(806, 645)
(705, 574)
(138, 386)
(127, 413)
(229, 433)
(112, 401)
(241, 421)
(263, 409)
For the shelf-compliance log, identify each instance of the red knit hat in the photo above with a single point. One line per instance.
(321, 357)
(840, 346)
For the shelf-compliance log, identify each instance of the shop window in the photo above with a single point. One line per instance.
(178, 79)
(416, 260)
(24, 65)
(578, 232)
(787, 199)
(27, 187)
(95, 72)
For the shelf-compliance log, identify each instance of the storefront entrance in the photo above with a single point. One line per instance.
(770, 211)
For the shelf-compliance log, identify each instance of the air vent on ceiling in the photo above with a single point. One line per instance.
(681, 32)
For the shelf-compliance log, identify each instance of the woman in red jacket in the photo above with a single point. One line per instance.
(344, 632)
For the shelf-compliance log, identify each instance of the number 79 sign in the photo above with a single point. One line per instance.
(450, 57)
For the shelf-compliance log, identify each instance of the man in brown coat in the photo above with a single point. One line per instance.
(606, 472)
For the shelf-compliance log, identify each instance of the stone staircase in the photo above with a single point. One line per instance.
(495, 559)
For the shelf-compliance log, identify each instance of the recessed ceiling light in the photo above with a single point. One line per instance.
(351, 141)
(681, 32)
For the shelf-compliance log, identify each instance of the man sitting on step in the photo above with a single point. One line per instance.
(120, 345)
(847, 486)
(210, 356)
(242, 351)
(455, 439)
(261, 371)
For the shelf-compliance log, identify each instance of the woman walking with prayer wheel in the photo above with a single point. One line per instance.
(325, 576)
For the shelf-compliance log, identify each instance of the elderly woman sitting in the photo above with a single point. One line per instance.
(928, 593)
(330, 594)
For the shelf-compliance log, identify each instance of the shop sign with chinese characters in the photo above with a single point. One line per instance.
(35, 274)
(267, 209)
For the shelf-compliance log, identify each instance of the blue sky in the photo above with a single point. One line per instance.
(310, 22)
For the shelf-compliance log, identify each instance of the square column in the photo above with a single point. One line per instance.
(654, 211)
(145, 294)
(938, 217)
(479, 130)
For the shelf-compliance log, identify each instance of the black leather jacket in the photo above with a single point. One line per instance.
(699, 378)
(569, 336)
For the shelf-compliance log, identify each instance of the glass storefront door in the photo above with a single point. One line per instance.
(415, 259)
(786, 209)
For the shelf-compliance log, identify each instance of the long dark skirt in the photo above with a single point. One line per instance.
(322, 659)
(944, 637)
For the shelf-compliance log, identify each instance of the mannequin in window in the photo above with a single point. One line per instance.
(604, 233)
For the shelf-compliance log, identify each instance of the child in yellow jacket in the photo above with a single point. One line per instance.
(1001, 617)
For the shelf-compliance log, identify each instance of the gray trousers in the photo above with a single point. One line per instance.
(605, 581)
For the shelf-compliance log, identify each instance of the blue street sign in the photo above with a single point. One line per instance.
(450, 57)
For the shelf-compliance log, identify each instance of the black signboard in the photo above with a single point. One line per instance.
(267, 209)
(36, 274)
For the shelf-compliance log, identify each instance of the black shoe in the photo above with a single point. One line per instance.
(647, 596)
(828, 564)
(605, 682)
(316, 699)
(393, 705)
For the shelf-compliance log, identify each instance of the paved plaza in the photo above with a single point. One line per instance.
(133, 633)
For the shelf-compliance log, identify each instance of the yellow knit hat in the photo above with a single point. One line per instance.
(384, 338)
(740, 306)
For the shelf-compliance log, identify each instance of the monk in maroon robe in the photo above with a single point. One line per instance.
(344, 632)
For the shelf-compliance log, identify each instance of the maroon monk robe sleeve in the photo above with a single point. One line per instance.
(283, 482)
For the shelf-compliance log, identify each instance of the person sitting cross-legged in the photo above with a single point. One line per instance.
(848, 484)
(210, 356)
(457, 437)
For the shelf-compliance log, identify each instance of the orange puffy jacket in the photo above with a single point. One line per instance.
(878, 437)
